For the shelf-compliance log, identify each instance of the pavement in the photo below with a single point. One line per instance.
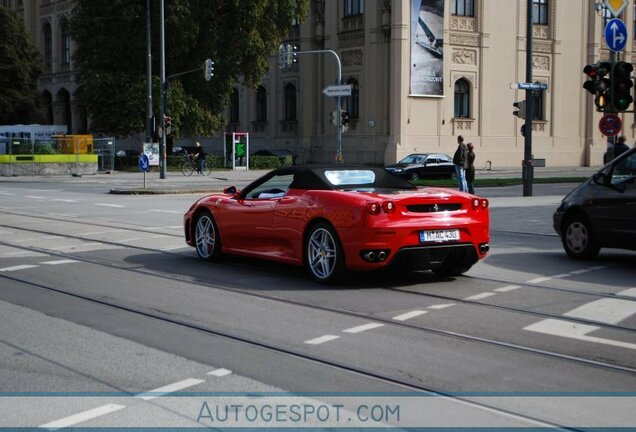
(135, 183)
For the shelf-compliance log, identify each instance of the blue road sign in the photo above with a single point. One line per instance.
(616, 35)
(144, 163)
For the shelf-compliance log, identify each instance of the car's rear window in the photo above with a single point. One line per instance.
(350, 177)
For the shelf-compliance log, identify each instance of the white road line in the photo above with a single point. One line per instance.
(34, 197)
(18, 267)
(441, 306)
(322, 339)
(83, 416)
(538, 280)
(58, 262)
(170, 388)
(576, 331)
(220, 372)
(363, 327)
(598, 267)
(129, 240)
(409, 315)
(480, 296)
(110, 205)
(561, 276)
(610, 311)
(507, 288)
(628, 293)
(101, 232)
(581, 271)
(166, 211)
(64, 200)
(169, 248)
(7, 193)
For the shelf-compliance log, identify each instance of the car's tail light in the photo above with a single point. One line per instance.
(388, 206)
(479, 202)
(373, 208)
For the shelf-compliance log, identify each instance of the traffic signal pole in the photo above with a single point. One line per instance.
(527, 171)
(162, 105)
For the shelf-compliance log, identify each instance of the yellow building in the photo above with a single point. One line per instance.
(415, 86)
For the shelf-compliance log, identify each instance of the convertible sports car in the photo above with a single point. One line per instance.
(333, 218)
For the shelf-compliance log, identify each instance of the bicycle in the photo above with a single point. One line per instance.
(189, 165)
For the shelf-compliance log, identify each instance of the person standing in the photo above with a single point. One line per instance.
(459, 159)
(470, 168)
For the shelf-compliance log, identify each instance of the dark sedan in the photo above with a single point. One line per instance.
(424, 166)
(601, 212)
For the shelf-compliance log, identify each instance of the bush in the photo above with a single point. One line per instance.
(269, 162)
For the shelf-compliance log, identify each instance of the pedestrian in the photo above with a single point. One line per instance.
(199, 156)
(615, 150)
(470, 169)
(459, 159)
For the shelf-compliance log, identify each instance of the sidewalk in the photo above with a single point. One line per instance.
(120, 182)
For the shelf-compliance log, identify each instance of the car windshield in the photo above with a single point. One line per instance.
(411, 159)
(350, 177)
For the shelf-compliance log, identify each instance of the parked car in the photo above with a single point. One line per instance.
(333, 218)
(601, 212)
(424, 166)
(125, 153)
(183, 150)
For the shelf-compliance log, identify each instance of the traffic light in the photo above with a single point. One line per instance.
(598, 85)
(334, 118)
(208, 68)
(345, 118)
(167, 123)
(294, 56)
(621, 79)
(521, 109)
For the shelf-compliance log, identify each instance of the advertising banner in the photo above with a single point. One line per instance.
(427, 55)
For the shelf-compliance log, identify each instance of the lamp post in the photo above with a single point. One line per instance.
(148, 74)
(162, 108)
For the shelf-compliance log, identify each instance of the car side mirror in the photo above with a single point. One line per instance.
(600, 178)
(231, 191)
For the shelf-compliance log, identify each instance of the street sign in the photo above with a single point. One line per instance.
(337, 90)
(610, 125)
(616, 35)
(532, 86)
(144, 163)
(616, 6)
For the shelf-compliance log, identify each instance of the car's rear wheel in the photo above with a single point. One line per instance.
(324, 257)
(206, 237)
(414, 176)
(578, 238)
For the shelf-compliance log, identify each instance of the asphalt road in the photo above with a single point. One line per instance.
(99, 295)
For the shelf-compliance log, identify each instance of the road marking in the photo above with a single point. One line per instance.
(169, 248)
(629, 293)
(34, 197)
(441, 306)
(409, 315)
(609, 311)
(581, 271)
(481, 296)
(83, 416)
(101, 232)
(18, 267)
(170, 388)
(598, 267)
(166, 211)
(129, 239)
(507, 288)
(561, 276)
(64, 200)
(58, 262)
(321, 339)
(538, 280)
(7, 193)
(110, 205)
(576, 331)
(220, 372)
(363, 327)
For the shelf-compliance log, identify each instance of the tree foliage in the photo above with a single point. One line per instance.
(20, 67)
(238, 35)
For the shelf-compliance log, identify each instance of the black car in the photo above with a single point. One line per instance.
(424, 166)
(601, 212)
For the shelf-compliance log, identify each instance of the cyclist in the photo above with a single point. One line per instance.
(199, 156)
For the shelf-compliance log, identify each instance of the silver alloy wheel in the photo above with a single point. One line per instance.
(577, 237)
(205, 236)
(321, 253)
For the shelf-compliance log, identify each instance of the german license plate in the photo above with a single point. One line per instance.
(439, 235)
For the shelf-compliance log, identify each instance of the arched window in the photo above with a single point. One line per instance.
(65, 42)
(540, 12)
(234, 106)
(463, 8)
(290, 102)
(462, 98)
(353, 7)
(48, 47)
(352, 103)
(261, 104)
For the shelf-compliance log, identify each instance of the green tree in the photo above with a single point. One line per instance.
(20, 67)
(239, 35)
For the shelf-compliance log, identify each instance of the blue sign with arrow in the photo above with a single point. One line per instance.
(144, 163)
(616, 35)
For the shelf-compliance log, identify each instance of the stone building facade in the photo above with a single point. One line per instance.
(481, 45)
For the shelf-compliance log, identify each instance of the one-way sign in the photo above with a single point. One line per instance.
(337, 90)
